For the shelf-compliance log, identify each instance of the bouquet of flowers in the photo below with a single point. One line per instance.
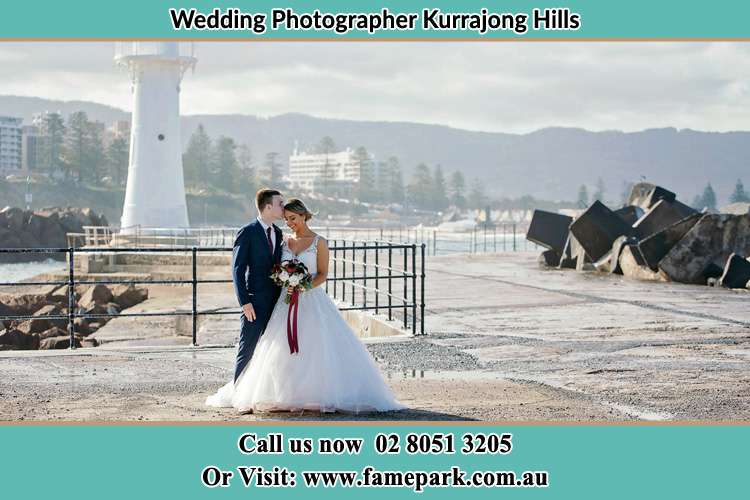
(291, 274)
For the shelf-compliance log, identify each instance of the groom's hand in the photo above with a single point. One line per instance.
(249, 312)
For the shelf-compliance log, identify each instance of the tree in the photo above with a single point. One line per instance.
(457, 188)
(247, 182)
(708, 198)
(366, 186)
(627, 188)
(197, 158)
(95, 158)
(477, 195)
(326, 146)
(52, 144)
(583, 197)
(421, 188)
(272, 170)
(224, 167)
(439, 190)
(600, 189)
(397, 192)
(117, 160)
(77, 138)
(739, 195)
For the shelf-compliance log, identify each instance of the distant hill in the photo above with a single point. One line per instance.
(550, 163)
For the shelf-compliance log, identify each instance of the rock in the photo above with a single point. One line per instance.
(629, 213)
(655, 247)
(40, 324)
(53, 332)
(62, 342)
(634, 267)
(19, 339)
(645, 195)
(127, 296)
(549, 258)
(736, 273)
(23, 305)
(12, 218)
(659, 217)
(49, 290)
(81, 325)
(113, 308)
(97, 294)
(610, 262)
(712, 240)
(597, 228)
(89, 342)
(549, 230)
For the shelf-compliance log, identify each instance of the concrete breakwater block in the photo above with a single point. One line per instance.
(549, 230)
(610, 262)
(710, 241)
(634, 267)
(655, 247)
(630, 214)
(597, 228)
(645, 195)
(736, 272)
(549, 258)
(662, 215)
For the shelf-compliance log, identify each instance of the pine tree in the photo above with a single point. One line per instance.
(77, 139)
(709, 197)
(739, 195)
(95, 157)
(439, 190)
(326, 146)
(197, 158)
(457, 190)
(397, 192)
(366, 185)
(583, 197)
(421, 188)
(224, 166)
(247, 181)
(477, 195)
(600, 189)
(117, 160)
(52, 144)
(272, 171)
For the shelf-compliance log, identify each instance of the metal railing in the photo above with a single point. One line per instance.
(409, 305)
(503, 237)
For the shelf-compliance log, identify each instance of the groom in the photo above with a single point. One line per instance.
(256, 249)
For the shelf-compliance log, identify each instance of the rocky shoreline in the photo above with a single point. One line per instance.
(48, 329)
(44, 228)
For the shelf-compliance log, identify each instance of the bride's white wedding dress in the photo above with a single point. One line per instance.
(332, 370)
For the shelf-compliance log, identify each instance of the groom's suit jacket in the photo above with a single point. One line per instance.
(252, 262)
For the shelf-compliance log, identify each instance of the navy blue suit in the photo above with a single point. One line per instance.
(252, 261)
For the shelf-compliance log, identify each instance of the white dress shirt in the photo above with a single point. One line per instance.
(265, 230)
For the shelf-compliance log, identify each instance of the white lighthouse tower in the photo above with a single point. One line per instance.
(155, 193)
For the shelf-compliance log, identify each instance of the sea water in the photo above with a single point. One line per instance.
(12, 273)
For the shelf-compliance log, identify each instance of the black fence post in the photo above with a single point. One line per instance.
(377, 276)
(354, 269)
(421, 300)
(406, 283)
(514, 236)
(434, 242)
(195, 297)
(71, 297)
(335, 274)
(390, 282)
(414, 289)
(364, 274)
(343, 270)
(494, 239)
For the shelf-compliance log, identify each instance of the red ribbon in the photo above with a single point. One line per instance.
(291, 324)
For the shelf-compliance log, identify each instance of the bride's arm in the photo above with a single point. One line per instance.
(322, 275)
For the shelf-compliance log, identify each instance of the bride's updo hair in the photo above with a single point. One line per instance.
(298, 207)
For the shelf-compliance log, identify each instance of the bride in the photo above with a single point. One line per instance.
(332, 369)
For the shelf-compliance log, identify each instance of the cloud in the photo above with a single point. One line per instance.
(508, 87)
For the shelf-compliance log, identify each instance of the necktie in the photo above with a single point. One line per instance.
(270, 244)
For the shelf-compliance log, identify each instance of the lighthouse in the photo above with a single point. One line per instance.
(155, 192)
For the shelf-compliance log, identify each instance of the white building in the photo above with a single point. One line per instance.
(310, 171)
(10, 145)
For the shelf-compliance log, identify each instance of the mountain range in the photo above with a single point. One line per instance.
(550, 163)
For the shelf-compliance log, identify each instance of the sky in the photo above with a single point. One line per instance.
(489, 86)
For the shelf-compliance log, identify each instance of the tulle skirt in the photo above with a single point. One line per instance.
(332, 370)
